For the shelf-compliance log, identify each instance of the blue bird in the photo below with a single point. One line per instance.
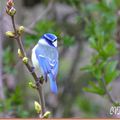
(45, 59)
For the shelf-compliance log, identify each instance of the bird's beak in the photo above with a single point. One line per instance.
(55, 43)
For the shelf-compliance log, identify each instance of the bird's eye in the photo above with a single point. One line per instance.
(54, 40)
(55, 43)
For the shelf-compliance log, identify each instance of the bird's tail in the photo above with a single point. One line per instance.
(53, 84)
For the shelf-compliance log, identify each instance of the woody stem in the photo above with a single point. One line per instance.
(28, 66)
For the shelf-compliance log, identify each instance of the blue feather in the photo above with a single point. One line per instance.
(53, 84)
(49, 68)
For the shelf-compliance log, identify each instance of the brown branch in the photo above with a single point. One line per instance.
(29, 67)
(110, 97)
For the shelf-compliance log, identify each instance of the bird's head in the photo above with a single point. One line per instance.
(50, 38)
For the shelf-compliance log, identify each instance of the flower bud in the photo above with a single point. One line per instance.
(10, 34)
(20, 53)
(32, 85)
(25, 60)
(20, 30)
(47, 114)
(10, 3)
(12, 11)
(37, 107)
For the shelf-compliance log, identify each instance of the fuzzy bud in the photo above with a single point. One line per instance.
(10, 4)
(20, 53)
(12, 11)
(32, 85)
(21, 30)
(37, 107)
(47, 114)
(10, 34)
(25, 60)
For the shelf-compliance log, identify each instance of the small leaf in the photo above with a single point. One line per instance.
(94, 89)
(87, 68)
(93, 42)
(110, 48)
(110, 71)
(68, 40)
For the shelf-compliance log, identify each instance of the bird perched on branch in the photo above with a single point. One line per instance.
(45, 59)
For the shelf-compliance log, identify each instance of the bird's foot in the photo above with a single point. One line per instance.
(41, 79)
(32, 69)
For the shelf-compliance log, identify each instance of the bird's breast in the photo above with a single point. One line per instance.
(35, 61)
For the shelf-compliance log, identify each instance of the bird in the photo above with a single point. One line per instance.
(45, 59)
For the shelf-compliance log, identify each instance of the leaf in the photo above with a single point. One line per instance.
(110, 48)
(93, 42)
(94, 89)
(68, 40)
(111, 66)
(110, 71)
(87, 68)
(111, 76)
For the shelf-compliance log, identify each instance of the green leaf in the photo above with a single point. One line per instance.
(109, 77)
(110, 48)
(93, 42)
(110, 71)
(111, 66)
(68, 40)
(87, 68)
(94, 89)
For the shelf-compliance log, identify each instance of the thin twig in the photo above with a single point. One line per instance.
(108, 94)
(39, 86)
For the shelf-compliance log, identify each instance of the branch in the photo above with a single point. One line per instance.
(111, 99)
(49, 7)
(29, 67)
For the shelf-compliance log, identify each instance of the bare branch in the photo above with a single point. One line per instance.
(29, 67)
(110, 97)
(49, 7)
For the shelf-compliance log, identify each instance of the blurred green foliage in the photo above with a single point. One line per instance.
(96, 22)
(13, 104)
(100, 30)
(49, 26)
(87, 107)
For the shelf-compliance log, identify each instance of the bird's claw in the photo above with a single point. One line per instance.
(32, 69)
(41, 79)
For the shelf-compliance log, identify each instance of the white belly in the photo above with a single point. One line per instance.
(35, 62)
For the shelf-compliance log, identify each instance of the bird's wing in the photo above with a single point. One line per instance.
(49, 68)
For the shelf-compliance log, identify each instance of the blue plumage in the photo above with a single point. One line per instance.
(50, 37)
(45, 57)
